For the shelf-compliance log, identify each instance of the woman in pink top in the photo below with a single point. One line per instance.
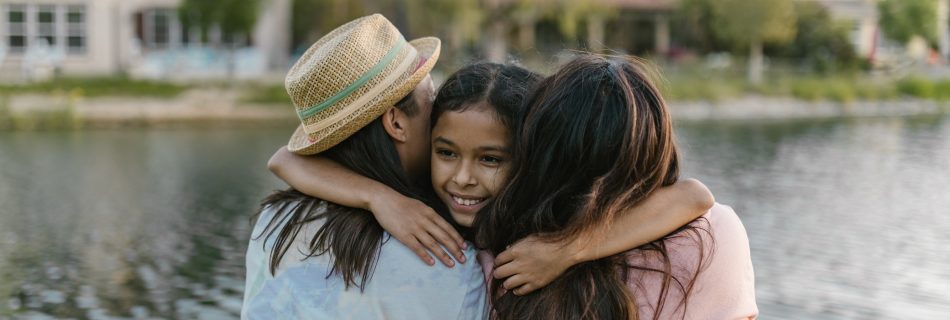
(597, 138)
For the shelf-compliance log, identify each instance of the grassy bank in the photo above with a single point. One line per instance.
(845, 88)
(272, 94)
(97, 87)
(61, 117)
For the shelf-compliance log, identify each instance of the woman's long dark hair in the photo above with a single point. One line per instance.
(596, 140)
(351, 235)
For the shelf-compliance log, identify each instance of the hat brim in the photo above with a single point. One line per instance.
(306, 144)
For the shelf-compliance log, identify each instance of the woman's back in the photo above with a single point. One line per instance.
(724, 288)
(400, 286)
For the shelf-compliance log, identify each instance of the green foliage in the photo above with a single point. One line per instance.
(925, 89)
(744, 22)
(693, 24)
(903, 19)
(821, 44)
(274, 94)
(53, 117)
(696, 83)
(310, 19)
(916, 87)
(234, 17)
(871, 91)
(95, 87)
(942, 90)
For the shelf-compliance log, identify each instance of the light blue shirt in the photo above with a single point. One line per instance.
(401, 287)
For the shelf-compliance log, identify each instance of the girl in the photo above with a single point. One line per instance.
(475, 114)
(597, 139)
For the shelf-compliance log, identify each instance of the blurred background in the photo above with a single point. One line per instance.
(134, 136)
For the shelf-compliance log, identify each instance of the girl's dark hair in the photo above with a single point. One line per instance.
(503, 87)
(351, 235)
(596, 139)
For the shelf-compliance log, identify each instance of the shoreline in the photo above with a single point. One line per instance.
(753, 107)
(71, 111)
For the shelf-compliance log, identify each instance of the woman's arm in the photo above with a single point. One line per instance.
(409, 220)
(532, 263)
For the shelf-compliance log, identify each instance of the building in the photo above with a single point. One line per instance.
(651, 16)
(143, 38)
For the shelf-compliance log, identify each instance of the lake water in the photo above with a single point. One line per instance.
(847, 219)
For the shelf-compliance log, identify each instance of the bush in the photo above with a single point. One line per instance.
(916, 87)
(942, 90)
(821, 44)
(100, 86)
(268, 95)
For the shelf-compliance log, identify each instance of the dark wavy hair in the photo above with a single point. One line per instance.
(504, 87)
(596, 139)
(351, 235)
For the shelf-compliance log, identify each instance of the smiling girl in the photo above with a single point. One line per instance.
(472, 119)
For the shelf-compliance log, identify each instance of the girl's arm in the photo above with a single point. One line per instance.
(532, 263)
(409, 220)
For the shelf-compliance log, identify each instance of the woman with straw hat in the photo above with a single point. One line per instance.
(310, 258)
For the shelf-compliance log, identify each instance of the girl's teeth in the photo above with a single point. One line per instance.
(466, 202)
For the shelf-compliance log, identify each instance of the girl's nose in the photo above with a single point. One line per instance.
(463, 174)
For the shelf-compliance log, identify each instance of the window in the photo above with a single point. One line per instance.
(58, 26)
(16, 27)
(76, 29)
(160, 28)
(46, 24)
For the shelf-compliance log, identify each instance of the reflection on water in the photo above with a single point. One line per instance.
(129, 223)
(846, 218)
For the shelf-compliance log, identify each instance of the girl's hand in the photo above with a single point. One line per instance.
(418, 227)
(532, 263)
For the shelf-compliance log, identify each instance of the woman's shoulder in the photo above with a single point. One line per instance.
(723, 217)
(712, 254)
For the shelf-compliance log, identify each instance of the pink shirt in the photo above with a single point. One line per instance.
(724, 288)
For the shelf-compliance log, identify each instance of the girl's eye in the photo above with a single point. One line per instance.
(490, 160)
(444, 153)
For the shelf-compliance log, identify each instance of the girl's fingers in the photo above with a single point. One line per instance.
(435, 249)
(523, 289)
(514, 281)
(447, 242)
(504, 271)
(444, 225)
(504, 257)
(420, 251)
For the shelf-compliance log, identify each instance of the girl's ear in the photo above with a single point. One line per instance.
(395, 122)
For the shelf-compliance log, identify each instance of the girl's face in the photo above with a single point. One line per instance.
(470, 159)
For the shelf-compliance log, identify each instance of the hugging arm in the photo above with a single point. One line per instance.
(409, 220)
(532, 263)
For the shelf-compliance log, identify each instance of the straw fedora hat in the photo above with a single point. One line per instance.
(352, 76)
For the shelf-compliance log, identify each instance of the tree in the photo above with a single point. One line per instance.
(751, 23)
(820, 42)
(901, 20)
(235, 18)
(693, 24)
(311, 19)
